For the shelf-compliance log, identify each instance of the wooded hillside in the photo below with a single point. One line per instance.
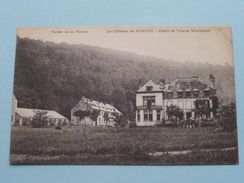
(54, 76)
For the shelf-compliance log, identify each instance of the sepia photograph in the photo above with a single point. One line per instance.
(160, 95)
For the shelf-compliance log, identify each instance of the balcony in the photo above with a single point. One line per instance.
(141, 107)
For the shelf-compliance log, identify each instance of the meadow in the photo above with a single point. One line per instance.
(128, 146)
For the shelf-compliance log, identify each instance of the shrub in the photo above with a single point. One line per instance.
(188, 123)
(58, 127)
(227, 117)
(40, 119)
(132, 125)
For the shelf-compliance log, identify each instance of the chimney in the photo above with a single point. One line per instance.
(83, 98)
(212, 80)
(162, 84)
(140, 84)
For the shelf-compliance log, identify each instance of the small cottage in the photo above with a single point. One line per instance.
(105, 113)
(23, 116)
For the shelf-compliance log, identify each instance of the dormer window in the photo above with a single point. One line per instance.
(187, 86)
(196, 92)
(149, 88)
(169, 87)
(180, 94)
(206, 93)
(169, 94)
(205, 86)
(188, 94)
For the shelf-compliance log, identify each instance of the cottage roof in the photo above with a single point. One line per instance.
(101, 106)
(25, 112)
(150, 83)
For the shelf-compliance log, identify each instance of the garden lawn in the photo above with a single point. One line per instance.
(101, 145)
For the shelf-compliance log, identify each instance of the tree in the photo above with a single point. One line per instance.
(174, 110)
(118, 121)
(119, 100)
(215, 101)
(94, 116)
(82, 114)
(130, 113)
(202, 108)
(40, 119)
(226, 115)
(105, 116)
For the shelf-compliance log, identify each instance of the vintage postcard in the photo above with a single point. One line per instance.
(124, 96)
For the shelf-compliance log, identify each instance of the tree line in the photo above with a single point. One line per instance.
(54, 76)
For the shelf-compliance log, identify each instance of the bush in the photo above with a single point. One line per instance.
(40, 119)
(188, 123)
(58, 127)
(227, 117)
(132, 125)
(228, 124)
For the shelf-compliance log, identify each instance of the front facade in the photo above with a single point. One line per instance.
(105, 113)
(152, 100)
(149, 104)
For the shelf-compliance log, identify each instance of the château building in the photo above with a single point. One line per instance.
(152, 100)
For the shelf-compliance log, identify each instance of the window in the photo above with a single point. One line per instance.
(149, 88)
(169, 94)
(205, 86)
(169, 103)
(170, 88)
(148, 102)
(180, 104)
(180, 94)
(206, 93)
(188, 94)
(187, 86)
(188, 105)
(148, 115)
(196, 93)
(138, 116)
(145, 115)
(158, 115)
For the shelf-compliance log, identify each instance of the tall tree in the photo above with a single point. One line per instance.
(105, 117)
(174, 110)
(40, 119)
(82, 115)
(202, 108)
(227, 116)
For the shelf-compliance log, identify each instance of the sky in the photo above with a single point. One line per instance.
(197, 44)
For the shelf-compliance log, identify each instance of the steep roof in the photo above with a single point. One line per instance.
(180, 84)
(154, 87)
(24, 112)
(193, 83)
(100, 105)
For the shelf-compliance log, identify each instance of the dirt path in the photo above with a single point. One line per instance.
(189, 151)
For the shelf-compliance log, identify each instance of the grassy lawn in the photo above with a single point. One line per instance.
(102, 145)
